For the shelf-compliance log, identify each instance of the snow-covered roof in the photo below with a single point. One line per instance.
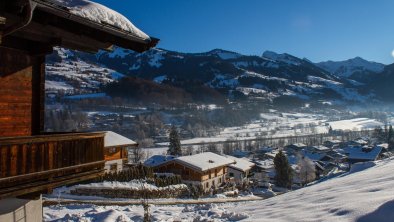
(333, 141)
(321, 148)
(101, 14)
(360, 153)
(204, 161)
(360, 141)
(112, 139)
(241, 164)
(383, 145)
(299, 145)
(265, 164)
(313, 155)
(157, 160)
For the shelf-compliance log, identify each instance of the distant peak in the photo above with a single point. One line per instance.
(215, 51)
(284, 57)
(270, 55)
(224, 54)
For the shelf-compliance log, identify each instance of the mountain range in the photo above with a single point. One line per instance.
(220, 75)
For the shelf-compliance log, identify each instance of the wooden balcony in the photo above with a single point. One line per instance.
(39, 163)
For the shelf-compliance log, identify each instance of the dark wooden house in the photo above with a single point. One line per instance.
(32, 161)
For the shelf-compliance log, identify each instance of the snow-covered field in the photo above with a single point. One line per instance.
(355, 124)
(276, 125)
(363, 195)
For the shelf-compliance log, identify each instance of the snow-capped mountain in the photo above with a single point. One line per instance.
(352, 68)
(267, 78)
(66, 71)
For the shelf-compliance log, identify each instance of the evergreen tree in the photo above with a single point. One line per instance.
(390, 138)
(175, 145)
(283, 170)
(390, 134)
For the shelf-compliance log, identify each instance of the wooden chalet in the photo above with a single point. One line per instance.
(207, 170)
(116, 151)
(32, 161)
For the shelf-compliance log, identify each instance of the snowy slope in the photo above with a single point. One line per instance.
(362, 196)
(74, 75)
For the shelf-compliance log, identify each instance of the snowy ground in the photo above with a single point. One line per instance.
(93, 213)
(355, 124)
(276, 125)
(362, 195)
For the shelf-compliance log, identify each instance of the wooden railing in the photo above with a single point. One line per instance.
(40, 163)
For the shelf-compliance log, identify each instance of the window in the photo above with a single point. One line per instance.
(206, 184)
(113, 167)
(112, 150)
(231, 174)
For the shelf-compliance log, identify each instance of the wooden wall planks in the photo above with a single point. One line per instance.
(21, 93)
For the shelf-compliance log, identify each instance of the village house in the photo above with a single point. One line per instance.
(332, 143)
(116, 149)
(294, 148)
(33, 162)
(208, 170)
(318, 149)
(362, 153)
(263, 172)
(240, 170)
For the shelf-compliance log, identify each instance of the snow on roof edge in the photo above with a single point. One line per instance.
(98, 13)
(112, 139)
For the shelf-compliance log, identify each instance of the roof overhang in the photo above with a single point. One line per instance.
(50, 25)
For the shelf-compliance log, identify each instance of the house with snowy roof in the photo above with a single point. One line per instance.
(34, 161)
(207, 170)
(332, 143)
(318, 149)
(240, 170)
(362, 153)
(294, 148)
(116, 151)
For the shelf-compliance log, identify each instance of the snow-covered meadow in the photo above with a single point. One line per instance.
(275, 124)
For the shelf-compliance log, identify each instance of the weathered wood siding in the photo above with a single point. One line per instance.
(21, 93)
(214, 173)
(115, 153)
(187, 173)
(48, 158)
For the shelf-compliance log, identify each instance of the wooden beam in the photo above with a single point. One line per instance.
(32, 176)
(5, 141)
(38, 94)
(45, 185)
(26, 45)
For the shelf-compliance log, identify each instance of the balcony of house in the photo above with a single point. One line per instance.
(37, 164)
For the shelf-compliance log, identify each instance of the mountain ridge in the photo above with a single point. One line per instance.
(265, 77)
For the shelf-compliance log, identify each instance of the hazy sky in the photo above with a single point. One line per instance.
(316, 29)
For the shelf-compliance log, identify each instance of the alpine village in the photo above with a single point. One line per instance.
(98, 123)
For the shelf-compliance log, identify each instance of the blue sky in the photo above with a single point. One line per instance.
(316, 29)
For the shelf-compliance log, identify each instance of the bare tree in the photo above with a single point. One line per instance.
(307, 170)
(138, 154)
